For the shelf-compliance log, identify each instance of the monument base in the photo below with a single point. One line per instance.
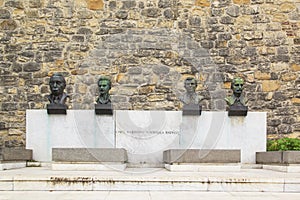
(238, 110)
(191, 109)
(56, 109)
(103, 109)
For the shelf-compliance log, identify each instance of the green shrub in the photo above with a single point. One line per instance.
(283, 144)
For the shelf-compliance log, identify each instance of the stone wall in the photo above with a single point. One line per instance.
(148, 47)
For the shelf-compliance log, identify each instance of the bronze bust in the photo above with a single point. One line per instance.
(190, 99)
(103, 106)
(57, 98)
(237, 86)
(237, 102)
(104, 85)
(57, 85)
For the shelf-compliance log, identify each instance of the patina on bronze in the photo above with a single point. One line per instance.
(190, 99)
(57, 98)
(103, 106)
(237, 102)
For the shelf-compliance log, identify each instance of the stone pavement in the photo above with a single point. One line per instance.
(144, 195)
(44, 180)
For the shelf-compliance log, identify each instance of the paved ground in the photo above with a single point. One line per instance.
(268, 177)
(147, 195)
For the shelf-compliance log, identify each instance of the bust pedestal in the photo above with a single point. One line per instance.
(237, 110)
(103, 109)
(191, 109)
(56, 109)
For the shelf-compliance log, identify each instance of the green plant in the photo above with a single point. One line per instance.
(283, 144)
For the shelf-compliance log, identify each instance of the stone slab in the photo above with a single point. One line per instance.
(290, 168)
(12, 165)
(89, 155)
(237, 110)
(146, 134)
(216, 130)
(192, 167)
(201, 156)
(77, 129)
(291, 157)
(63, 166)
(269, 157)
(278, 157)
(191, 109)
(56, 109)
(103, 109)
(15, 154)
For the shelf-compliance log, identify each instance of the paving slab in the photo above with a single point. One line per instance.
(144, 195)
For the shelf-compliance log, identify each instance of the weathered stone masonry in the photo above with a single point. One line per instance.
(148, 47)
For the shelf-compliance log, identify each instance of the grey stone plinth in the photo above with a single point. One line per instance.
(89, 155)
(291, 157)
(202, 156)
(15, 154)
(269, 157)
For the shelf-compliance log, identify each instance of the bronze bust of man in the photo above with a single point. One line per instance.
(237, 86)
(57, 85)
(237, 102)
(190, 99)
(103, 106)
(104, 85)
(58, 97)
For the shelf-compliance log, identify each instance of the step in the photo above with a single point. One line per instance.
(148, 179)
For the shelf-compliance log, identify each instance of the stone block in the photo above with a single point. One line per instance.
(202, 156)
(270, 85)
(296, 101)
(95, 4)
(56, 109)
(291, 157)
(202, 3)
(269, 157)
(295, 67)
(191, 110)
(237, 110)
(15, 154)
(89, 155)
(103, 109)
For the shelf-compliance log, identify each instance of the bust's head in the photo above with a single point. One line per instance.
(57, 84)
(190, 84)
(237, 86)
(104, 85)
